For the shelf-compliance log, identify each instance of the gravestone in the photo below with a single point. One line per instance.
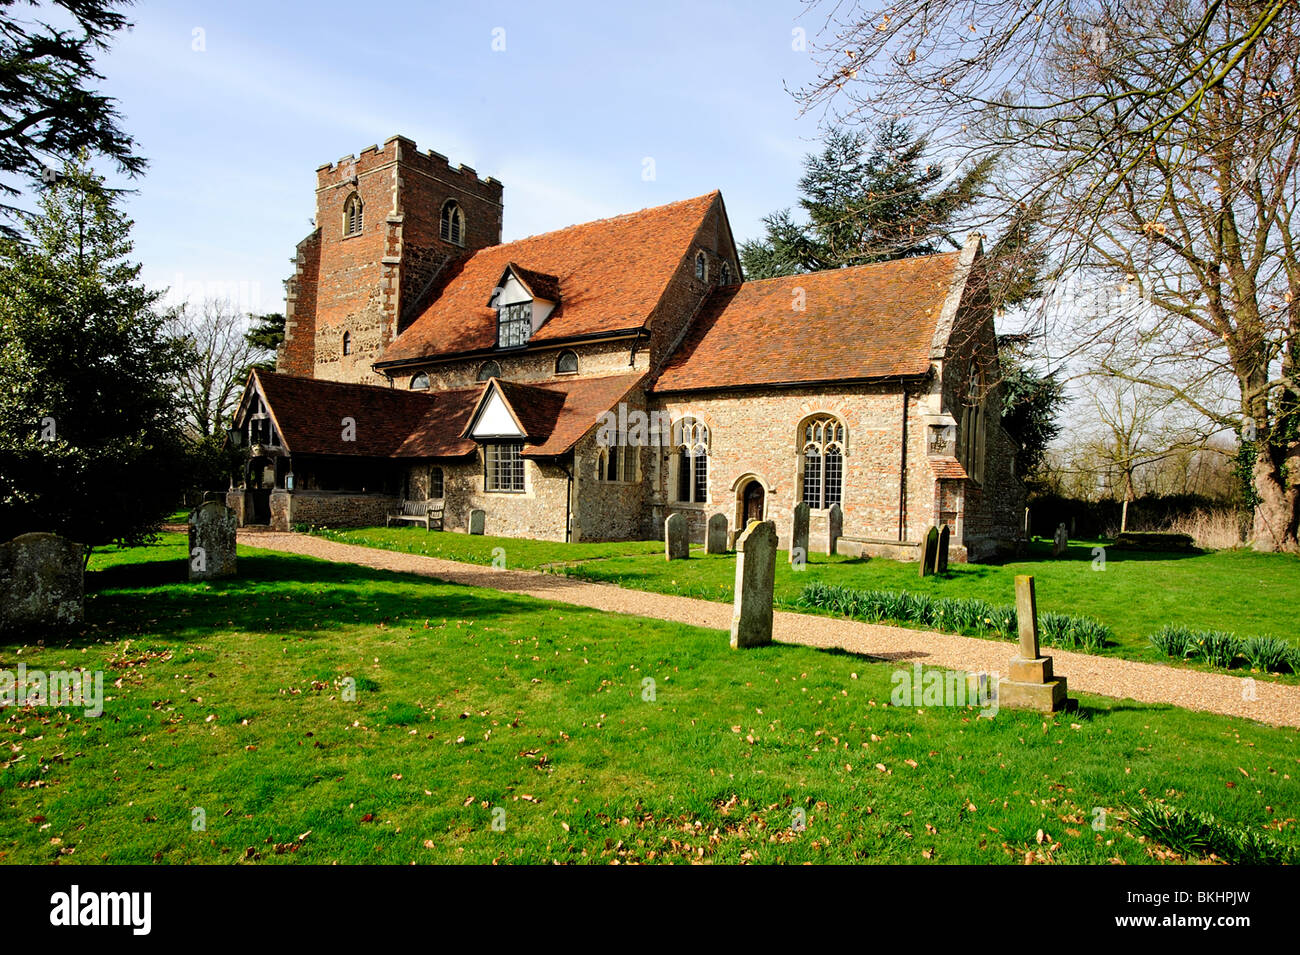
(929, 551)
(477, 517)
(834, 529)
(676, 545)
(212, 541)
(799, 534)
(941, 557)
(1031, 685)
(716, 542)
(751, 618)
(1060, 541)
(42, 583)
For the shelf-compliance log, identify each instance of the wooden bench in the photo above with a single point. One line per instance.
(427, 513)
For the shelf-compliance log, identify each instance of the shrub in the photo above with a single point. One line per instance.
(1071, 632)
(1193, 833)
(1174, 641)
(1216, 647)
(1268, 653)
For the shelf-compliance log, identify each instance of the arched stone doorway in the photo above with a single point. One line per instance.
(752, 501)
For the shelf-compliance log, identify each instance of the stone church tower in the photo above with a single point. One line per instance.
(388, 222)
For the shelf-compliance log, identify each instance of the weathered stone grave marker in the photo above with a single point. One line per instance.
(676, 545)
(1031, 685)
(212, 541)
(716, 541)
(799, 534)
(751, 618)
(929, 551)
(1060, 541)
(834, 529)
(42, 582)
(477, 518)
(941, 555)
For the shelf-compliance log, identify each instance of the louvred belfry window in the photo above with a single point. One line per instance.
(352, 215)
(453, 224)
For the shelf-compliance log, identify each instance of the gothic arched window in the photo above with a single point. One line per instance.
(452, 228)
(352, 215)
(690, 440)
(821, 461)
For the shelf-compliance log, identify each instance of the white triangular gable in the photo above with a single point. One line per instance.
(494, 419)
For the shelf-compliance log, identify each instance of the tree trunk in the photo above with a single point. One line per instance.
(1276, 514)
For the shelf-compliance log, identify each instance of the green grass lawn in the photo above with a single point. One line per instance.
(513, 552)
(473, 706)
(1136, 594)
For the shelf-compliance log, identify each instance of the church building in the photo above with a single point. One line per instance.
(585, 384)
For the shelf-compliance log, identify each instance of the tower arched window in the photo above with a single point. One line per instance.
(489, 369)
(420, 382)
(690, 441)
(347, 343)
(821, 461)
(566, 363)
(352, 215)
(452, 228)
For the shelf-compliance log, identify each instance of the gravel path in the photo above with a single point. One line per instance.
(1274, 703)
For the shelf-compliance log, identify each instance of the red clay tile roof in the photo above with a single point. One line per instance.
(866, 322)
(948, 469)
(390, 422)
(539, 284)
(613, 273)
(556, 414)
(396, 423)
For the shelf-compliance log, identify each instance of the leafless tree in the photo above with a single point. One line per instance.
(1161, 140)
(215, 330)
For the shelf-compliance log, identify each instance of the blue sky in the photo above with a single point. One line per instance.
(564, 116)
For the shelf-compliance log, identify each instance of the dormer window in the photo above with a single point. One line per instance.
(452, 228)
(352, 217)
(701, 267)
(514, 324)
(523, 298)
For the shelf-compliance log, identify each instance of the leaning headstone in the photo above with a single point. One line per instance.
(751, 618)
(42, 583)
(716, 541)
(799, 534)
(676, 544)
(1031, 685)
(929, 551)
(212, 541)
(834, 529)
(477, 517)
(1060, 541)
(941, 556)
